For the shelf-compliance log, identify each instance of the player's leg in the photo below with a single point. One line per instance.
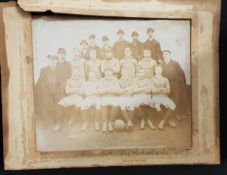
(150, 118)
(97, 113)
(167, 118)
(126, 118)
(145, 112)
(57, 116)
(104, 115)
(76, 115)
(113, 111)
(140, 114)
(130, 113)
(84, 115)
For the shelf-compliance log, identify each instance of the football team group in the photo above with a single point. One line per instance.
(126, 81)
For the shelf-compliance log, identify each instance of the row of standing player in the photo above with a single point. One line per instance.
(119, 46)
(127, 93)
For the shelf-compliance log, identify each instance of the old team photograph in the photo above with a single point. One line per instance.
(111, 84)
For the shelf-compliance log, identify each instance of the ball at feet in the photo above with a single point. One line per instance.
(119, 124)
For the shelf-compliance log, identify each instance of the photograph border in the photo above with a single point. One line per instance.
(17, 84)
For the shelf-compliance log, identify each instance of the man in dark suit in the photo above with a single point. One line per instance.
(105, 45)
(47, 92)
(63, 70)
(153, 45)
(136, 46)
(120, 45)
(84, 53)
(92, 45)
(176, 76)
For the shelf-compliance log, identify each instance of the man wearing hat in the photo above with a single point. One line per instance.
(92, 45)
(136, 46)
(110, 62)
(105, 45)
(120, 45)
(47, 94)
(84, 53)
(63, 69)
(176, 76)
(154, 46)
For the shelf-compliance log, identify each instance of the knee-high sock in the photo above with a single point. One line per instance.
(168, 114)
(125, 115)
(84, 115)
(113, 113)
(145, 112)
(104, 114)
(98, 115)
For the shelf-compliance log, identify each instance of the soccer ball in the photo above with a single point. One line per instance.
(119, 125)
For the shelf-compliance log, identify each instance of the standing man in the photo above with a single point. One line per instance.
(64, 70)
(142, 97)
(120, 45)
(175, 74)
(136, 46)
(160, 91)
(153, 45)
(109, 88)
(105, 45)
(47, 94)
(84, 53)
(92, 45)
(63, 66)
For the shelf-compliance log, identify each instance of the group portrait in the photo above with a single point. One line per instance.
(111, 84)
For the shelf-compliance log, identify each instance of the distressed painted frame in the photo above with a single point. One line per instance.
(17, 82)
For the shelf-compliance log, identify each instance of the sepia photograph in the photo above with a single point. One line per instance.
(111, 84)
(101, 83)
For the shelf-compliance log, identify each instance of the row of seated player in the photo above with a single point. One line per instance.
(110, 94)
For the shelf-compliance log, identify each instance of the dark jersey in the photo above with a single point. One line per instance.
(175, 74)
(119, 48)
(137, 49)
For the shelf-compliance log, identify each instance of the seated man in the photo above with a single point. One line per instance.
(125, 98)
(142, 97)
(160, 91)
(109, 104)
(92, 101)
(74, 91)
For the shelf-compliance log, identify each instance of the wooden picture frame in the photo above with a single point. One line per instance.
(18, 94)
